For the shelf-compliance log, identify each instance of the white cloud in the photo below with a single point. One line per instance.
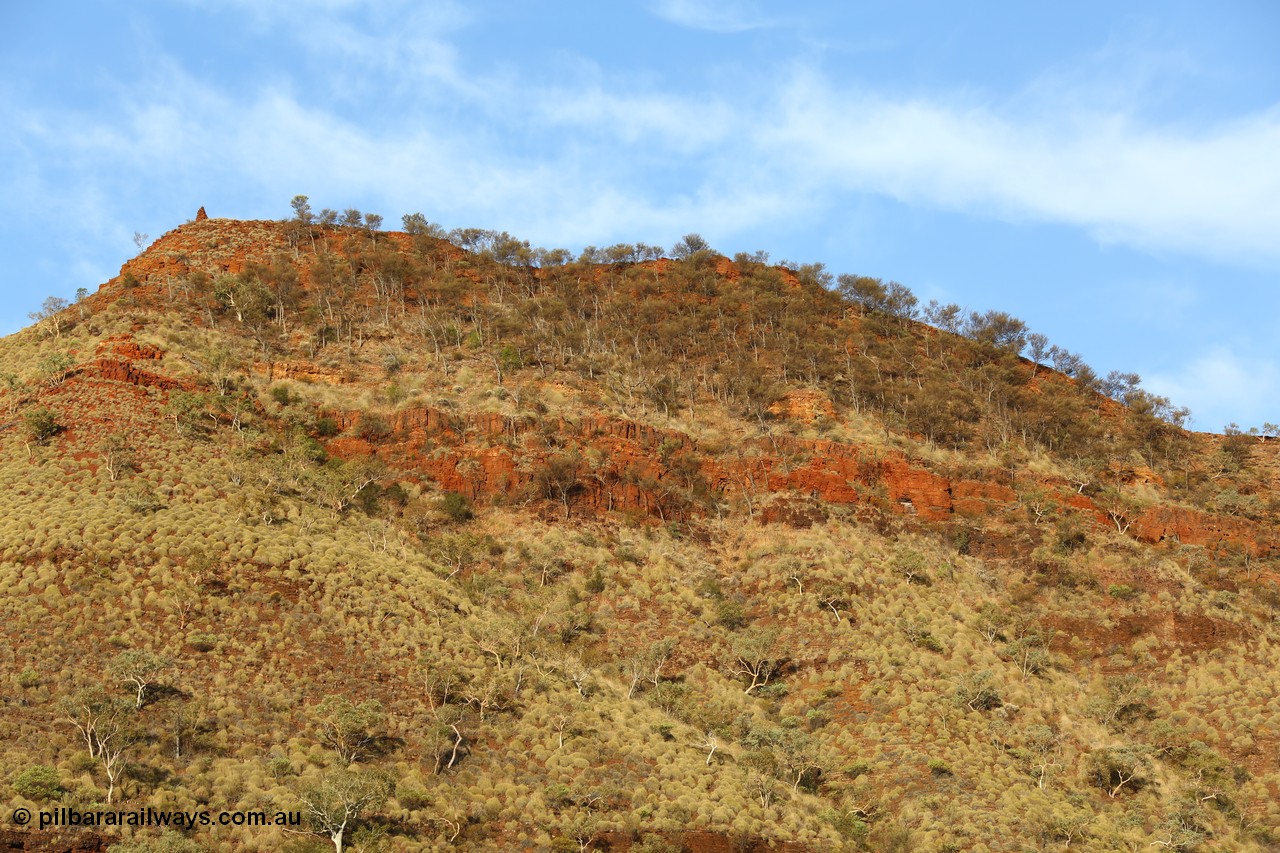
(802, 144)
(611, 147)
(1215, 192)
(684, 124)
(1221, 386)
(717, 16)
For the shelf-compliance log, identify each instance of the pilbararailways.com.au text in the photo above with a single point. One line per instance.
(149, 817)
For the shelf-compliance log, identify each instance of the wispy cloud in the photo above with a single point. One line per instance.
(1220, 385)
(806, 142)
(717, 16)
(1215, 192)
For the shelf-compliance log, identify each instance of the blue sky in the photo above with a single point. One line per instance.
(1109, 172)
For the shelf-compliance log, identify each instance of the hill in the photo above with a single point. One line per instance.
(510, 550)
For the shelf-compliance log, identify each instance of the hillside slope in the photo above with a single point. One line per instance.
(617, 553)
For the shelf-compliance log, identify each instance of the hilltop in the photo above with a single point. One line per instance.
(621, 551)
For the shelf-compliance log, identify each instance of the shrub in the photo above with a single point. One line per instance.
(39, 425)
(28, 678)
(326, 427)
(395, 495)
(39, 783)
(850, 823)
(456, 507)
(55, 367)
(975, 692)
(373, 428)
(669, 696)
(141, 499)
(656, 844)
(1070, 538)
(911, 565)
(412, 797)
(203, 642)
(731, 615)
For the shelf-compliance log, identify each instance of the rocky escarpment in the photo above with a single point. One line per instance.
(610, 464)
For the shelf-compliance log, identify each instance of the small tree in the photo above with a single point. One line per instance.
(117, 454)
(337, 484)
(84, 710)
(1044, 748)
(975, 692)
(560, 478)
(13, 392)
(350, 730)
(657, 656)
(690, 245)
(55, 367)
(415, 224)
(339, 799)
(991, 621)
(1037, 350)
(833, 596)
(188, 410)
(49, 317)
(106, 724)
(185, 726)
(449, 811)
(443, 738)
(1030, 653)
(872, 294)
(755, 656)
(1123, 698)
(997, 329)
(1121, 766)
(140, 668)
(302, 209)
(582, 826)
(116, 736)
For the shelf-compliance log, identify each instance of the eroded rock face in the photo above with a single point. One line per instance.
(1178, 525)
(124, 371)
(805, 406)
(301, 371)
(628, 473)
(124, 347)
(486, 454)
(973, 499)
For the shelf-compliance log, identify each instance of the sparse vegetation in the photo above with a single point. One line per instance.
(635, 548)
